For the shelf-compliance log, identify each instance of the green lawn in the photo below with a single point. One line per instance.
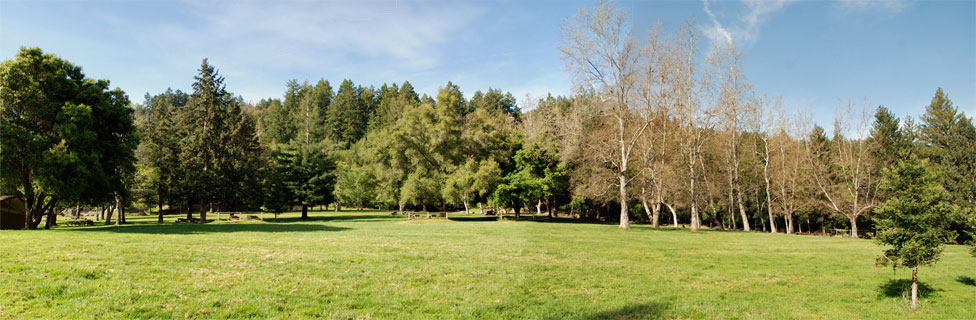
(373, 265)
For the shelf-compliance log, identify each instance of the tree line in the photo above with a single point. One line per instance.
(657, 129)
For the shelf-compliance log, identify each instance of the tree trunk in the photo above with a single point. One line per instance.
(108, 214)
(400, 205)
(203, 212)
(48, 210)
(656, 215)
(119, 204)
(647, 210)
(694, 206)
(338, 205)
(160, 219)
(674, 215)
(304, 212)
(853, 226)
(714, 216)
(481, 210)
(549, 204)
(466, 210)
(788, 217)
(622, 175)
(914, 287)
(52, 220)
(52, 217)
(742, 212)
(538, 207)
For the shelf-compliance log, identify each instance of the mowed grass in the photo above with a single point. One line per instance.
(373, 265)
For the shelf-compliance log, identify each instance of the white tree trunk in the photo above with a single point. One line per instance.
(674, 215)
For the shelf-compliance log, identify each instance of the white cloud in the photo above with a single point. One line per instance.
(746, 26)
(716, 32)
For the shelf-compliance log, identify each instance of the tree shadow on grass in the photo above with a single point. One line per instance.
(320, 218)
(195, 228)
(897, 288)
(966, 280)
(474, 218)
(572, 220)
(651, 310)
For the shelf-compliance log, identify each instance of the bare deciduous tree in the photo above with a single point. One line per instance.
(605, 60)
(842, 168)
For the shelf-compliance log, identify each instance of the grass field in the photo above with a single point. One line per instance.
(373, 265)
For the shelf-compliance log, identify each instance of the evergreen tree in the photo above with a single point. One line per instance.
(220, 154)
(348, 114)
(948, 140)
(913, 220)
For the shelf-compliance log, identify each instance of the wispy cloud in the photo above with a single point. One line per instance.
(744, 26)
(716, 32)
(407, 34)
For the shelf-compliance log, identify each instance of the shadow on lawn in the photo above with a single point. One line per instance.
(903, 288)
(319, 217)
(473, 218)
(966, 280)
(193, 228)
(652, 310)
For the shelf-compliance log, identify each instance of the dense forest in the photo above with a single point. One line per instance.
(658, 130)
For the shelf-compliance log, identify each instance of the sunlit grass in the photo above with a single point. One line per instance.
(374, 265)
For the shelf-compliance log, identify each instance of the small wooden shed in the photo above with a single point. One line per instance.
(12, 210)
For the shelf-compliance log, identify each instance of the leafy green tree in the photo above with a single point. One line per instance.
(913, 220)
(469, 180)
(537, 177)
(356, 184)
(448, 125)
(65, 137)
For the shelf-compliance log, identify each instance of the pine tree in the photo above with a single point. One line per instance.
(913, 220)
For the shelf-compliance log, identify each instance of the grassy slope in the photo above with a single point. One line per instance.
(371, 265)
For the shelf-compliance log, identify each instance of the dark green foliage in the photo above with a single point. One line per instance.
(948, 140)
(158, 154)
(299, 176)
(392, 102)
(220, 157)
(889, 141)
(348, 114)
(537, 177)
(912, 222)
(65, 137)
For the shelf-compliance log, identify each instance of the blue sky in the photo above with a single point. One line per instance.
(816, 55)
